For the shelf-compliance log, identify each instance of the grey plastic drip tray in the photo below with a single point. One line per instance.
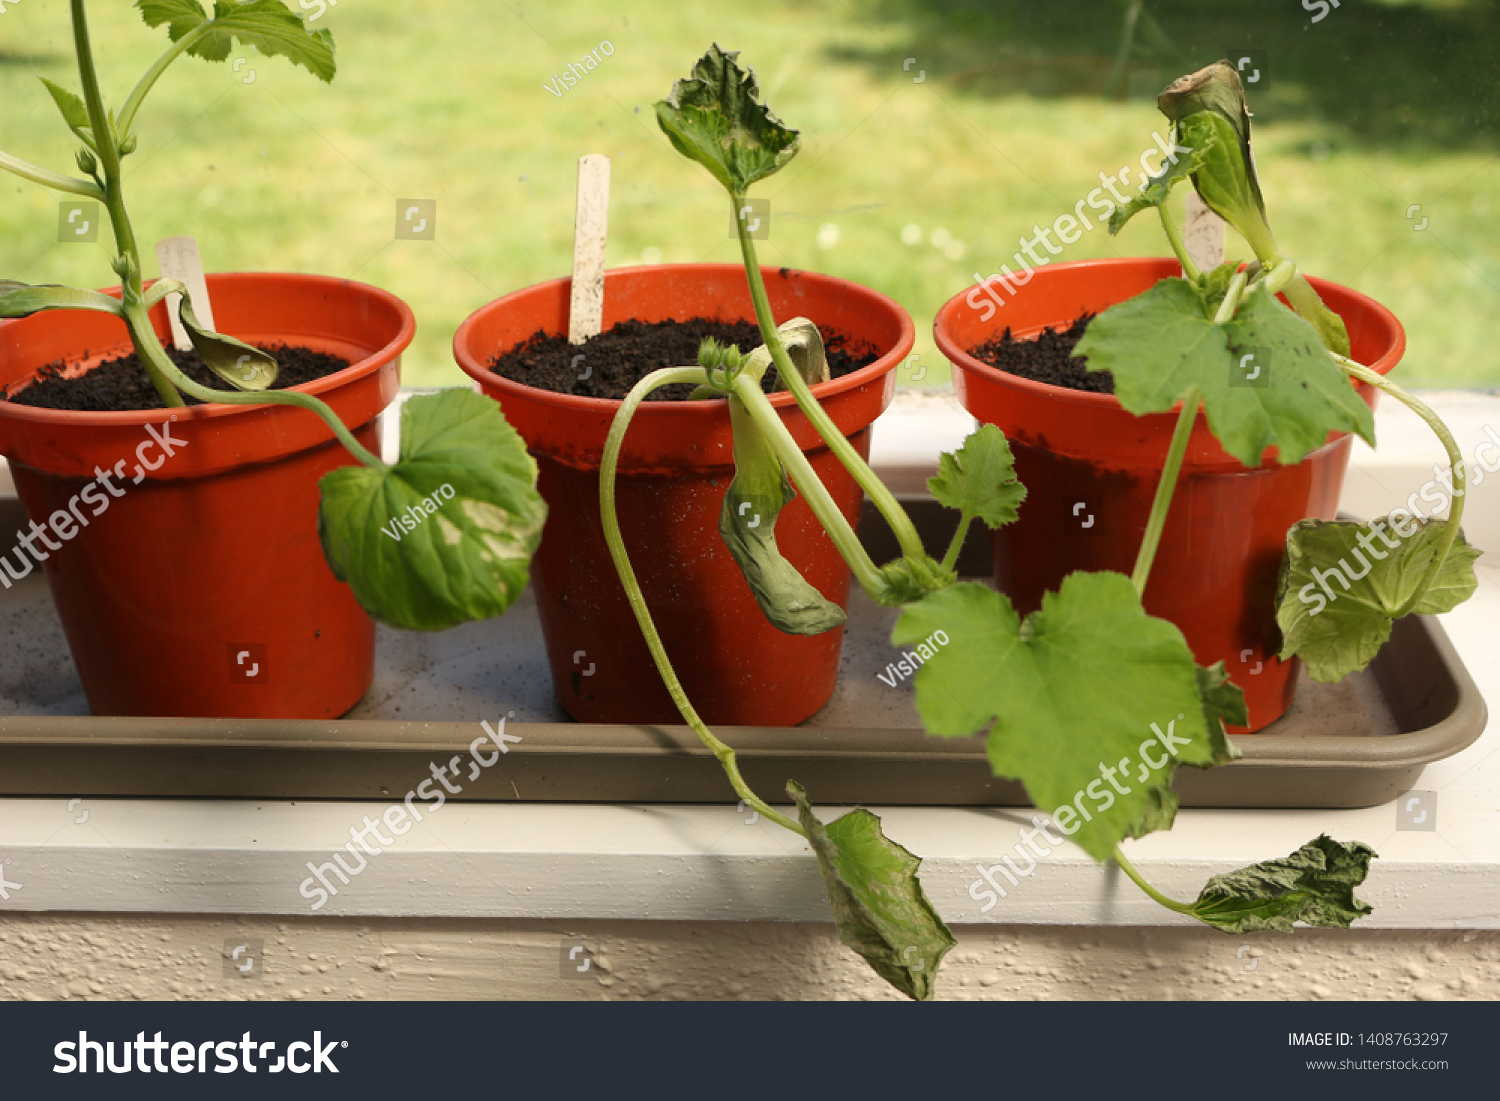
(1357, 743)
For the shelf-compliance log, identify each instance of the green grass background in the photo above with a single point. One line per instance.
(1376, 107)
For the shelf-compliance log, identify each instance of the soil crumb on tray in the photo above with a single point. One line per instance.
(616, 360)
(119, 385)
(1047, 358)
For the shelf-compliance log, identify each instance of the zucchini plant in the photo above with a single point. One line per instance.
(470, 563)
(1090, 677)
(1178, 341)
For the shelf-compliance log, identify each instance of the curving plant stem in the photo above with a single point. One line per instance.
(47, 178)
(138, 94)
(1129, 869)
(1278, 276)
(828, 514)
(1455, 462)
(881, 497)
(608, 466)
(1189, 269)
(170, 383)
(1166, 486)
(135, 316)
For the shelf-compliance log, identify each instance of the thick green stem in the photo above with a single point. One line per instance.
(882, 498)
(616, 543)
(147, 347)
(159, 290)
(55, 180)
(1165, 487)
(1455, 462)
(127, 113)
(1129, 869)
(950, 560)
(1303, 297)
(1189, 269)
(170, 383)
(1280, 276)
(155, 357)
(109, 155)
(1231, 297)
(149, 351)
(828, 513)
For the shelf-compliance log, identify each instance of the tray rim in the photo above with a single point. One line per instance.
(1260, 750)
(1263, 753)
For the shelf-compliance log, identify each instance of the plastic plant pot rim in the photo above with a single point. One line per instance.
(1169, 268)
(1204, 450)
(486, 376)
(213, 410)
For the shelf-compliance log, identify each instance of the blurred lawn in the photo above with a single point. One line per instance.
(905, 186)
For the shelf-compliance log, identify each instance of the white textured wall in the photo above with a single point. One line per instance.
(59, 956)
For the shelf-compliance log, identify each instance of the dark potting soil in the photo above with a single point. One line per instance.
(121, 384)
(616, 360)
(1047, 358)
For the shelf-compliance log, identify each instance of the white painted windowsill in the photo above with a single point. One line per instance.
(707, 863)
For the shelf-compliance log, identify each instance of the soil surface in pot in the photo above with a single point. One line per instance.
(1047, 357)
(618, 359)
(119, 385)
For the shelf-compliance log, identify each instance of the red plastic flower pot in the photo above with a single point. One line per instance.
(1091, 469)
(676, 464)
(188, 574)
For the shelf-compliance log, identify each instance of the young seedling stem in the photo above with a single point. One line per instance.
(1165, 488)
(616, 542)
(950, 559)
(1189, 269)
(155, 356)
(453, 438)
(1167, 485)
(1455, 462)
(126, 118)
(806, 480)
(105, 140)
(1129, 869)
(58, 182)
(905, 531)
